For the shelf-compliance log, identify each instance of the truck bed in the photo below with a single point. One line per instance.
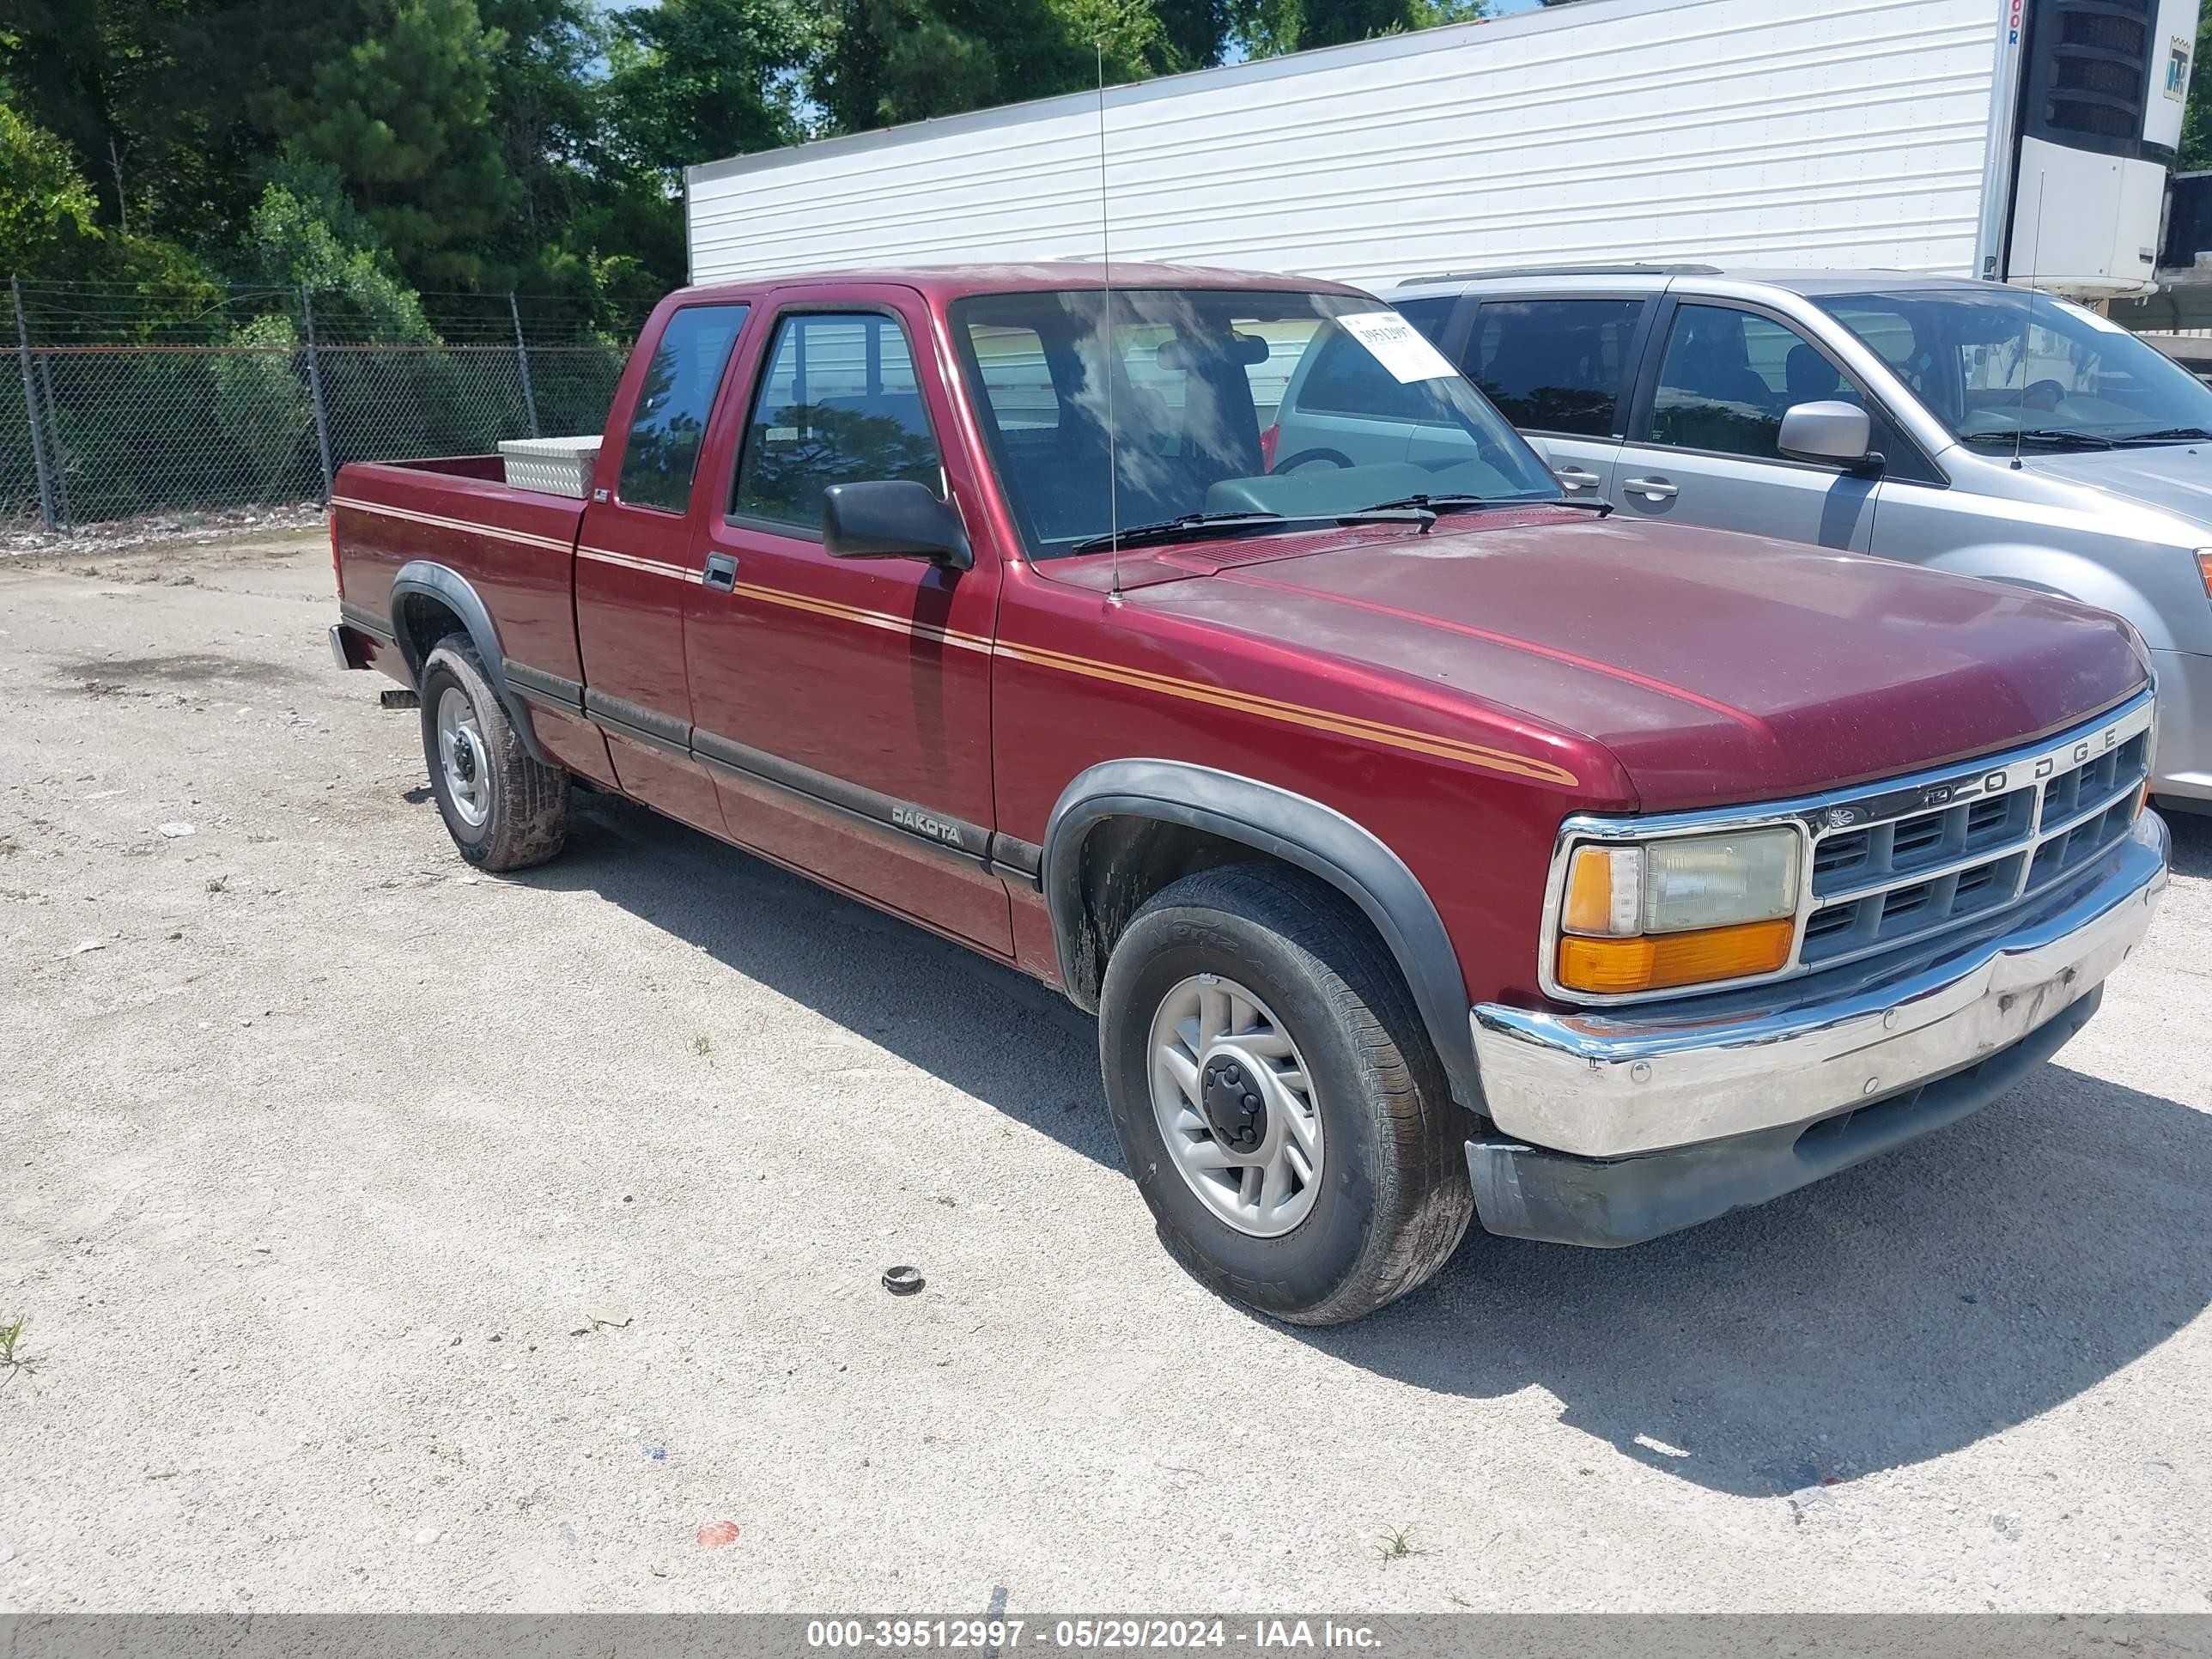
(518, 546)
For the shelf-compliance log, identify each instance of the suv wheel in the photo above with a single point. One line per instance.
(1277, 1100)
(503, 809)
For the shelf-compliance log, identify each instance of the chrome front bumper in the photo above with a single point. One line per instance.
(1614, 1083)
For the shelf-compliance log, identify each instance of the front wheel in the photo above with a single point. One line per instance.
(504, 809)
(1277, 1099)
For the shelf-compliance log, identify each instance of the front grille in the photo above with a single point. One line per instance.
(1882, 885)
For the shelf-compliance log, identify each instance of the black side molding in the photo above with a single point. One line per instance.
(539, 686)
(955, 839)
(642, 725)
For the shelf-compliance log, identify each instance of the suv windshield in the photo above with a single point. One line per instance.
(1195, 379)
(1993, 365)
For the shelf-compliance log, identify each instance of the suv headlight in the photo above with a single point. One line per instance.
(1679, 910)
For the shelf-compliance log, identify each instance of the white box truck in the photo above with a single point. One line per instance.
(2023, 139)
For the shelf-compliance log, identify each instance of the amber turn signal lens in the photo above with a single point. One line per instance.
(1657, 960)
(2205, 568)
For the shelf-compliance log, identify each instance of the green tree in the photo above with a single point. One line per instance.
(692, 80)
(48, 218)
(304, 235)
(2195, 153)
(399, 102)
(261, 403)
(1271, 27)
(890, 61)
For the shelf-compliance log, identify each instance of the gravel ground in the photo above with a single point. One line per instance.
(394, 1237)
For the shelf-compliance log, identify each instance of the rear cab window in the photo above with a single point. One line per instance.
(661, 452)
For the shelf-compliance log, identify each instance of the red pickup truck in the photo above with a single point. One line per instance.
(1428, 847)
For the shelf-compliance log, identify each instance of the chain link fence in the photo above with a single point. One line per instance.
(263, 414)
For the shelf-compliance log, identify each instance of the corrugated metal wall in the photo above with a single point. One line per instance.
(1814, 132)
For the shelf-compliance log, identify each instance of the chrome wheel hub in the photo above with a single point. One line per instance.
(462, 757)
(1235, 1106)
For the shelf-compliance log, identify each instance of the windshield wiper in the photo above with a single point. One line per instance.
(1448, 501)
(1454, 502)
(2167, 435)
(1199, 526)
(1188, 524)
(2050, 436)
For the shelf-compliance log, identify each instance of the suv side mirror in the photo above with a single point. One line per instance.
(893, 518)
(1833, 433)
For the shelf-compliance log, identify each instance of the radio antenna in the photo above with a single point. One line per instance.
(2027, 317)
(1106, 346)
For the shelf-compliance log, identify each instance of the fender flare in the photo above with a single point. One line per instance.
(451, 589)
(1316, 838)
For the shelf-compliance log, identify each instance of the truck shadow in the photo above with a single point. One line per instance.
(991, 1033)
(1893, 1313)
(1898, 1311)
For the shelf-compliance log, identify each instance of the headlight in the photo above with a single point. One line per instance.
(1679, 910)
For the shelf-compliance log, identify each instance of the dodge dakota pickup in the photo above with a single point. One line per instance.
(1428, 847)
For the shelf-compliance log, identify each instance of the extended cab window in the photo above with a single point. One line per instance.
(663, 448)
(1554, 365)
(1727, 376)
(838, 404)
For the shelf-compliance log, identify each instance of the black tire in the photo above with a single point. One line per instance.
(527, 819)
(1395, 1199)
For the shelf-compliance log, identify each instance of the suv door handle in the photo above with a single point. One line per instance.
(1657, 489)
(1575, 478)
(722, 573)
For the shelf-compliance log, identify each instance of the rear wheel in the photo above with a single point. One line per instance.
(1279, 1103)
(504, 809)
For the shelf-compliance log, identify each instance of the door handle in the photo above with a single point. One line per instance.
(1575, 478)
(722, 572)
(1657, 489)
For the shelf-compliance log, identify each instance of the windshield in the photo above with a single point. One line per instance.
(1197, 390)
(1991, 365)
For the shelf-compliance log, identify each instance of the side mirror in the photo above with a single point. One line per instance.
(1835, 433)
(892, 519)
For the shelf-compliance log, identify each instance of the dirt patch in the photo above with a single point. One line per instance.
(106, 677)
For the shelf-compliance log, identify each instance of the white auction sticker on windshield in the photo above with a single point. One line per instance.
(1396, 345)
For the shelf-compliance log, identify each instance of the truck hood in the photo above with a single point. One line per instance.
(2174, 478)
(1716, 667)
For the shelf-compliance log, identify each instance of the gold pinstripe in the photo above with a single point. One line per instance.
(1273, 708)
(632, 562)
(435, 522)
(1350, 725)
(867, 618)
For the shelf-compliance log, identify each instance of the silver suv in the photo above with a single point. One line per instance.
(1969, 426)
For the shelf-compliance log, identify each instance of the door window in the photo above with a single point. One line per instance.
(839, 404)
(662, 450)
(1347, 378)
(1727, 376)
(1554, 365)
